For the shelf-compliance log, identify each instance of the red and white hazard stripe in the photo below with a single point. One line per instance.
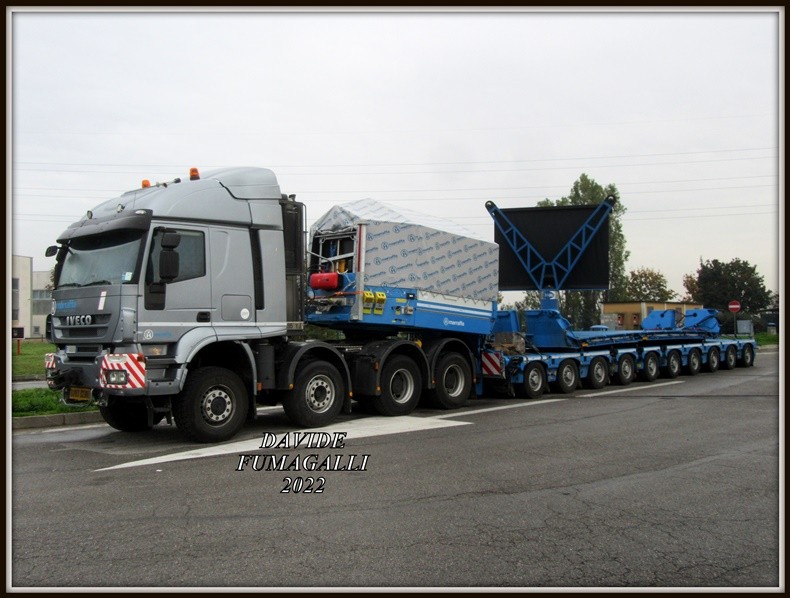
(492, 363)
(132, 363)
(49, 361)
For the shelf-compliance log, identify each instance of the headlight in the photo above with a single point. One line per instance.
(116, 377)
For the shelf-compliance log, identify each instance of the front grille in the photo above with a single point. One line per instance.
(96, 329)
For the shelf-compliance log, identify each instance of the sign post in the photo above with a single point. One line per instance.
(734, 306)
(18, 332)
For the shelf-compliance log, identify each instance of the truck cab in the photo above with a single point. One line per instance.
(170, 278)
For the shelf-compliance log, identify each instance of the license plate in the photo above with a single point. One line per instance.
(79, 394)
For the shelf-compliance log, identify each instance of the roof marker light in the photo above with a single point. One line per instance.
(146, 183)
(194, 174)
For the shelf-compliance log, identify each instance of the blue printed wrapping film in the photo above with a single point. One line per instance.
(404, 248)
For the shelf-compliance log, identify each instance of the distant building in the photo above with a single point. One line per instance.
(21, 285)
(629, 316)
(31, 300)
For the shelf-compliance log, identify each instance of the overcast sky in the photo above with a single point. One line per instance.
(436, 112)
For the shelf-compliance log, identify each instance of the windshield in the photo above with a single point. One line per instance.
(101, 259)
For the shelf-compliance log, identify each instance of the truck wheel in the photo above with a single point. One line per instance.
(626, 370)
(747, 360)
(673, 365)
(317, 396)
(453, 381)
(713, 360)
(730, 358)
(213, 405)
(694, 362)
(401, 385)
(598, 373)
(652, 367)
(125, 416)
(567, 376)
(534, 380)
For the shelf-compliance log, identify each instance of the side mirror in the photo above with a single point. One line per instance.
(169, 258)
(168, 265)
(51, 251)
(170, 240)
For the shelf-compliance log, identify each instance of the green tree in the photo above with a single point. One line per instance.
(583, 308)
(717, 283)
(646, 284)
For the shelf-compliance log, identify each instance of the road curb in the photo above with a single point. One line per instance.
(56, 419)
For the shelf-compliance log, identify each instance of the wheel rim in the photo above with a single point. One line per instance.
(320, 393)
(599, 371)
(453, 381)
(713, 359)
(731, 356)
(401, 386)
(651, 366)
(747, 355)
(568, 375)
(674, 362)
(626, 368)
(534, 379)
(217, 405)
(694, 360)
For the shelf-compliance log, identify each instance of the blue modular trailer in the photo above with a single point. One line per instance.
(418, 299)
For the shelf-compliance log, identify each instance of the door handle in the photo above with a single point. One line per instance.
(203, 316)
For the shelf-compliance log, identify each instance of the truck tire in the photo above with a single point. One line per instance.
(453, 382)
(673, 365)
(730, 358)
(213, 405)
(714, 359)
(401, 385)
(567, 376)
(626, 370)
(125, 416)
(694, 362)
(652, 367)
(747, 359)
(534, 380)
(597, 373)
(317, 396)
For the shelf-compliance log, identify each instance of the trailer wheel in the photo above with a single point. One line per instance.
(626, 370)
(694, 362)
(453, 381)
(673, 365)
(401, 385)
(730, 358)
(598, 373)
(125, 416)
(713, 360)
(651, 367)
(747, 360)
(534, 380)
(213, 405)
(317, 395)
(567, 376)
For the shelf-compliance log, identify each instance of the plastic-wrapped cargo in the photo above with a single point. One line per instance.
(395, 247)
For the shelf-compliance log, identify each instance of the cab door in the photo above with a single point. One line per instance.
(171, 309)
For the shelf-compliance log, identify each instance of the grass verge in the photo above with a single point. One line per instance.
(27, 358)
(41, 401)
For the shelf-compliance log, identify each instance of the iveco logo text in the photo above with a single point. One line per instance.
(449, 322)
(79, 320)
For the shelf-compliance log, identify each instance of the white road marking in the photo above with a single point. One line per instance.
(612, 392)
(362, 428)
(487, 409)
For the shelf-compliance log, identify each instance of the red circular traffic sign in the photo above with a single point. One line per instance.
(734, 306)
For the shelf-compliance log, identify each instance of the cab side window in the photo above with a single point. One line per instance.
(191, 256)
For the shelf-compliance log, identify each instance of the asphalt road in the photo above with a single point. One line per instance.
(671, 484)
